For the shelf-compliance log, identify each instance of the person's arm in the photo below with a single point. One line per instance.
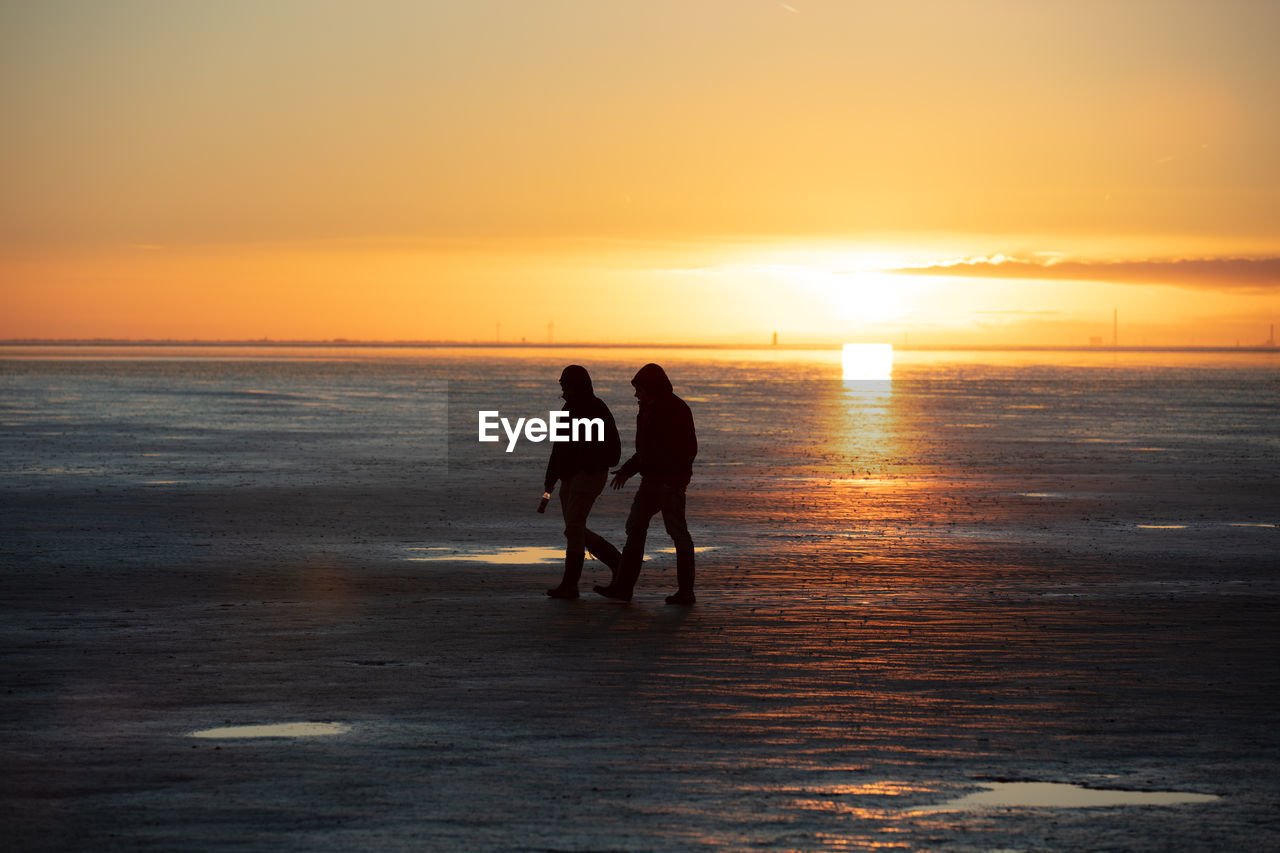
(688, 436)
(678, 442)
(628, 469)
(632, 466)
(612, 441)
(553, 469)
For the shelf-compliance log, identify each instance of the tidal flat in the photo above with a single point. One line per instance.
(973, 577)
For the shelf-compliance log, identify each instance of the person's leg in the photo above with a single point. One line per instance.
(673, 518)
(573, 552)
(604, 551)
(644, 506)
(577, 495)
(568, 587)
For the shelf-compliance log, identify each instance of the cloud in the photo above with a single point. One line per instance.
(1237, 274)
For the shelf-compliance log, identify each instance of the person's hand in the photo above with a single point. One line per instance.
(619, 479)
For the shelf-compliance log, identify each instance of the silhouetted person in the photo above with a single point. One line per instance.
(582, 468)
(666, 445)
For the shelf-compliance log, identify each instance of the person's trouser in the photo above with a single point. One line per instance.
(655, 496)
(577, 495)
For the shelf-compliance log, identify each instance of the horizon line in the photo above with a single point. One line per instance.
(474, 344)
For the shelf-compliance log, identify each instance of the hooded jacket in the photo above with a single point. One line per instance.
(666, 442)
(575, 457)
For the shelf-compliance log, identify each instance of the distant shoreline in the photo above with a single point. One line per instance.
(351, 344)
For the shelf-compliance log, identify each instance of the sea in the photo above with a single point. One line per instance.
(1002, 445)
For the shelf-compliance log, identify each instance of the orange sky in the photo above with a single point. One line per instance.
(640, 171)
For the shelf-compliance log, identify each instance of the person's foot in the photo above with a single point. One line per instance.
(567, 593)
(614, 592)
(684, 596)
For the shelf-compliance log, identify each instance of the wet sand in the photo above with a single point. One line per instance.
(827, 683)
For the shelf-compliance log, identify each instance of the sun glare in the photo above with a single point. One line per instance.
(863, 362)
(868, 296)
(860, 295)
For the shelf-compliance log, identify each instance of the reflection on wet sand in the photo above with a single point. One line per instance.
(1053, 795)
(512, 556)
(505, 556)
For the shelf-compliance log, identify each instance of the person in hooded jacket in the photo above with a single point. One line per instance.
(582, 468)
(666, 445)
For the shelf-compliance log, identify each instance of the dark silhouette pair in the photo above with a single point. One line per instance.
(666, 445)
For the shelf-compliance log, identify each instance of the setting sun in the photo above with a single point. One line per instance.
(866, 362)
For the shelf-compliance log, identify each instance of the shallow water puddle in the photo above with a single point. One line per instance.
(493, 556)
(1206, 525)
(506, 556)
(275, 730)
(1054, 795)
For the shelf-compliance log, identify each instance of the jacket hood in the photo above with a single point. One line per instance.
(652, 379)
(576, 382)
